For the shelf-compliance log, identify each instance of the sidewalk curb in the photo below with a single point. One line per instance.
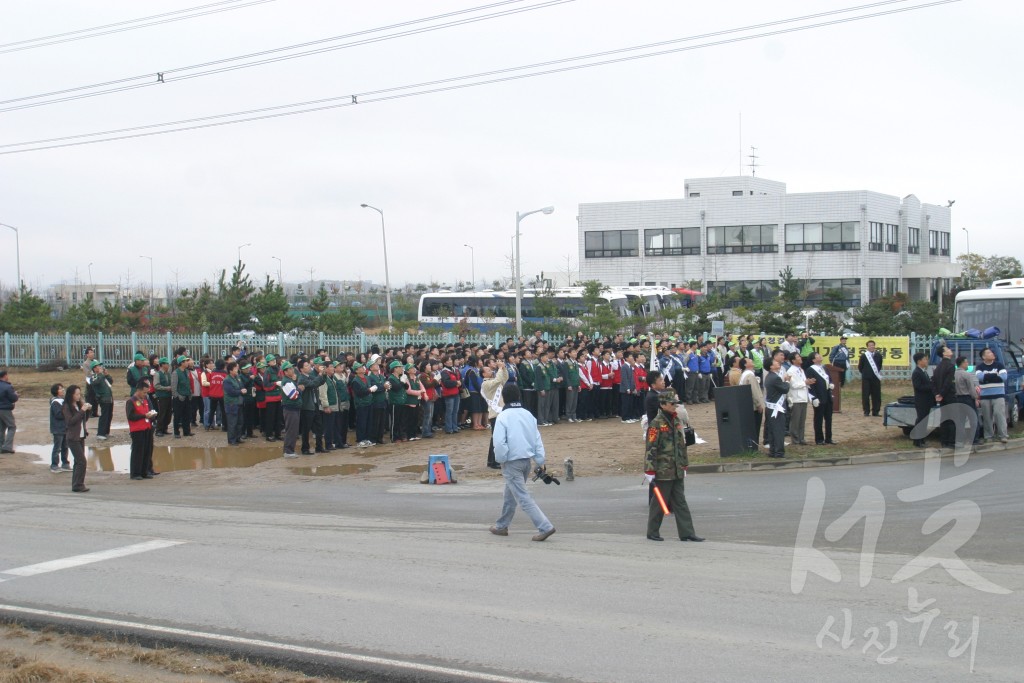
(867, 459)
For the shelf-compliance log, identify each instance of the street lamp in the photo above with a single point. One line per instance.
(17, 252)
(387, 277)
(970, 269)
(472, 263)
(151, 287)
(280, 279)
(547, 210)
(247, 244)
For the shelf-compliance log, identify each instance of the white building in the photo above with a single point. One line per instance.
(735, 234)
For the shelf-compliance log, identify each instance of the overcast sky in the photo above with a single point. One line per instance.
(925, 102)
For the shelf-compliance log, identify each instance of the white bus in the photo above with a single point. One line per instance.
(1001, 305)
(493, 309)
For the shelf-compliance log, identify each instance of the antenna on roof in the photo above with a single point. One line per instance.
(753, 161)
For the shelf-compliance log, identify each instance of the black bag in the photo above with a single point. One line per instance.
(690, 436)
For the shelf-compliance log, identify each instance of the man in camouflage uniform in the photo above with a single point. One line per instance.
(665, 464)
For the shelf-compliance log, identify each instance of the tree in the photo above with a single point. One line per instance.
(80, 318)
(789, 286)
(25, 312)
(321, 301)
(342, 321)
(194, 307)
(231, 309)
(270, 308)
(981, 271)
(601, 318)
(1002, 267)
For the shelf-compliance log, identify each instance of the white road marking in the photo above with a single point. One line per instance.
(89, 558)
(345, 656)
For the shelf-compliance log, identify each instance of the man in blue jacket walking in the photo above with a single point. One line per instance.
(516, 441)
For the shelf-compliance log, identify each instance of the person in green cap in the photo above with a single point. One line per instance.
(291, 406)
(101, 385)
(272, 411)
(328, 405)
(136, 371)
(249, 414)
(181, 397)
(234, 393)
(379, 406)
(394, 387)
(309, 378)
(341, 419)
(162, 394)
(362, 397)
(665, 465)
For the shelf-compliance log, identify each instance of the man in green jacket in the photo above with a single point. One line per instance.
(101, 385)
(291, 407)
(379, 406)
(528, 382)
(395, 389)
(181, 397)
(309, 379)
(162, 394)
(665, 464)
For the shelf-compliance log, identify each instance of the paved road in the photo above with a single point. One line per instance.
(409, 572)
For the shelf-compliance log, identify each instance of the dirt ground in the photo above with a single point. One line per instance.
(597, 448)
(38, 656)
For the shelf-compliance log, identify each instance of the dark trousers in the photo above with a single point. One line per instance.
(823, 423)
(306, 418)
(250, 417)
(272, 420)
(675, 497)
(626, 409)
(378, 422)
(490, 445)
(141, 453)
(77, 449)
(363, 423)
(106, 414)
(530, 401)
(163, 417)
(583, 404)
(970, 436)
(291, 429)
(216, 416)
(233, 415)
(328, 428)
(776, 434)
(947, 430)
(341, 428)
(181, 408)
(318, 429)
(604, 400)
(758, 416)
(196, 407)
(871, 395)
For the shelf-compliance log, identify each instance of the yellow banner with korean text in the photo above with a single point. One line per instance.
(895, 350)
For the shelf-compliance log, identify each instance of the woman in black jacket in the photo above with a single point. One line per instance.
(76, 414)
(924, 397)
(944, 386)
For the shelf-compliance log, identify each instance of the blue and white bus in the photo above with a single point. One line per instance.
(493, 309)
(1001, 305)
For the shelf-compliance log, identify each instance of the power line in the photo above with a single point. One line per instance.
(163, 77)
(121, 26)
(418, 89)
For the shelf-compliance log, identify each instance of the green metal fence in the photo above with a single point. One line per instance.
(51, 350)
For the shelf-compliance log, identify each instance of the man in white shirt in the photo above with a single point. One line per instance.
(797, 398)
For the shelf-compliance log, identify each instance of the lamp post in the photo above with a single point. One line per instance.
(280, 278)
(970, 268)
(387, 277)
(151, 287)
(17, 253)
(472, 263)
(547, 210)
(240, 246)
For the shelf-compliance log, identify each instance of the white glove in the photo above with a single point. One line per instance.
(648, 478)
(815, 402)
(831, 386)
(373, 389)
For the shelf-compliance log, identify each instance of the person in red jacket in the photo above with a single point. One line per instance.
(140, 426)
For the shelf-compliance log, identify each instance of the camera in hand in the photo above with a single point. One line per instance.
(541, 472)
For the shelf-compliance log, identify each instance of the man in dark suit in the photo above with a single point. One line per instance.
(944, 388)
(924, 397)
(821, 398)
(775, 390)
(870, 367)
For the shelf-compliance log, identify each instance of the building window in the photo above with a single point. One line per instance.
(694, 195)
(672, 242)
(892, 238)
(913, 241)
(737, 193)
(611, 243)
(744, 292)
(822, 237)
(875, 243)
(933, 242)
(845, 292)
(943, 244)
(879, 287)
(742, 239)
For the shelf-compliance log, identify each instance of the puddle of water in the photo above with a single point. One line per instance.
(165, 458)
(331, 470)
(423, 468)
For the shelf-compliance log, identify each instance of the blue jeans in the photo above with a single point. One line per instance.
(59, 454)
(451, 413)
(515, 473)
(428, 419)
